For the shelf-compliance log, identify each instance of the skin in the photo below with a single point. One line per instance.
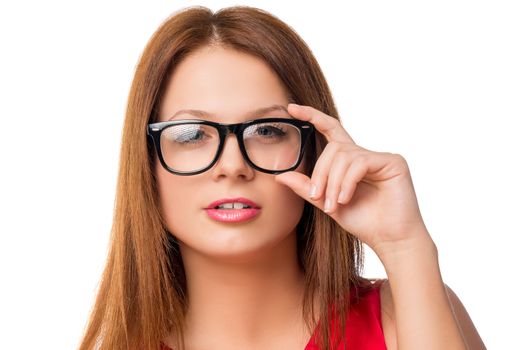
(244, 281)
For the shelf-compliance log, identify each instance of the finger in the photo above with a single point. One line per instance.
(300, 184)
(322, 168)
(383, 165)
(355, 173)
(337, 172)
(325, 124)
(372, 166)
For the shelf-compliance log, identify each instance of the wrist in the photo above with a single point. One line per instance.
(406, 253)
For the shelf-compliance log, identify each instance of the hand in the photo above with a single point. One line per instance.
(377, 203)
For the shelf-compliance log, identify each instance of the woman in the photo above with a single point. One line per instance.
(254, 240)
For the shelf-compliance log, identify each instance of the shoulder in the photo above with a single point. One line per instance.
(469, 332)
(466, 325)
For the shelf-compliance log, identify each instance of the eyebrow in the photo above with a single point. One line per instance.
(253, 114)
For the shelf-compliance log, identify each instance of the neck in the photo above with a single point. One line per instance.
(249, 300)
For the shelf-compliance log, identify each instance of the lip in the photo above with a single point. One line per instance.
(233, 215)
(242, 200)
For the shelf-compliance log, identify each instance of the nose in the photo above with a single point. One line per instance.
(231, 163)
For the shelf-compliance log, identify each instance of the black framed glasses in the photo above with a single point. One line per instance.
(192, 146)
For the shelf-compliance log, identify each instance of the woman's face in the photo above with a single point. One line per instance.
(228, 84)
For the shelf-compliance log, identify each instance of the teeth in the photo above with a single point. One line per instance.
(233, 206)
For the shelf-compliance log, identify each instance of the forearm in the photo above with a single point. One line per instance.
(423, 313)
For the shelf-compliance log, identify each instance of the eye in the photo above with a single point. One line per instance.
(190, 136)
(266, 130)
(186, 134)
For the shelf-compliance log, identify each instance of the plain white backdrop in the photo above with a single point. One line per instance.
(441, 83)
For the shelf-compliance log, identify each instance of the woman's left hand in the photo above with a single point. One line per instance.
(378, 204)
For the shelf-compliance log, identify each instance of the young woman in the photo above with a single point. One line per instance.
(242, 205)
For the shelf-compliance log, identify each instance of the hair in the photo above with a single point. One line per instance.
(142, 293)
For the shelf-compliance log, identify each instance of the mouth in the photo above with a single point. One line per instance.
(233, 204)
(232, 215)
(233, 210)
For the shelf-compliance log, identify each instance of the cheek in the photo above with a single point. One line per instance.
(289, 206)
(171, 189)
(286, 208)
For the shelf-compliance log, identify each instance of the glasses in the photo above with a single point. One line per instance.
(192, 146)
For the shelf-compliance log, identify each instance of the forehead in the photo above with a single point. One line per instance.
(223, 85)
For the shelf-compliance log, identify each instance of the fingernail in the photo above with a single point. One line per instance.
(312, 191)
(327, 206)
(341, 197)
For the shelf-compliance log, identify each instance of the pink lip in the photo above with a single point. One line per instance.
(232, 215)
(232, 200)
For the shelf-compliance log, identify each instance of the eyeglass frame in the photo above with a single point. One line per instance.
(154, 132)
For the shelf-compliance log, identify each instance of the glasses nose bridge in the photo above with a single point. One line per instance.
(233, 129)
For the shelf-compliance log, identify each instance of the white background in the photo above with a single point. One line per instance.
(441, 83)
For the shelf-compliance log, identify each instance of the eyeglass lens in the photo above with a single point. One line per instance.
(190, 147)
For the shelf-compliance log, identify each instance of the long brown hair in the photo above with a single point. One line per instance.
(142, 294)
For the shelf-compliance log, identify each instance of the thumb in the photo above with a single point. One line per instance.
(300, 184)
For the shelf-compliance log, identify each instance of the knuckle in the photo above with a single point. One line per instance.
(359, 159)
(334, 122)
(400, 158)
(401, 161)
(335, 145)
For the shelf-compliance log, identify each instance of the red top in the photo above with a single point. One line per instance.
(363, 326)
